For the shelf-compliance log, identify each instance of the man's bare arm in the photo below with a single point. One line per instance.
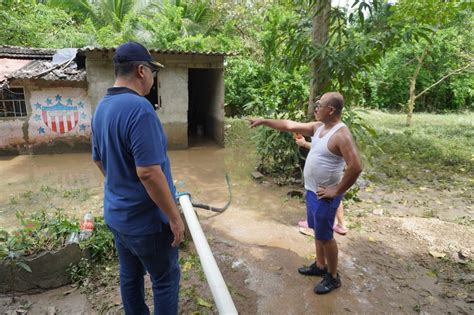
(99, 165)
(154, 180)
(306, 129)
(351, 156)
(348, 149)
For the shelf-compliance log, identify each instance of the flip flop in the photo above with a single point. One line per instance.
(306, 231)
(339, 229)
(303, 224)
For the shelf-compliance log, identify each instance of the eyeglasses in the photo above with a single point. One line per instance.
(319, 106)
(153, 70)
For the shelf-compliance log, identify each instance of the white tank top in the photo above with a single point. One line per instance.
(322, 167)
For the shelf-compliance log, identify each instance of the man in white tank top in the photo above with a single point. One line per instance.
(332, 148)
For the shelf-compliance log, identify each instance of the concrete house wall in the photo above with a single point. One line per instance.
(173, 90)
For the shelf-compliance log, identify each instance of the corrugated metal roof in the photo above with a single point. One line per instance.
(15, 52)
(40, 66)
(40, 69)
(161, 51)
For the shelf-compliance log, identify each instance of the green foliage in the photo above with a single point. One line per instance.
(186, 25)
(386, 85)
(46, 231)
(81, 271)
(107, 37)
(38, 25)
(278, 154)
(43, 231)
(40, 231)
(243, 81)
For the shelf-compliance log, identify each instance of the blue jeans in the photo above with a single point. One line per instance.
(152, 253)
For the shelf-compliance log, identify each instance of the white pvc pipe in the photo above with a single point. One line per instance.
(219, 290)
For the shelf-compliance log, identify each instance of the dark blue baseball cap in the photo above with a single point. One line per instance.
(133, 51)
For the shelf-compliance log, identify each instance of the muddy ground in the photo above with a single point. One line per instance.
(409, 248)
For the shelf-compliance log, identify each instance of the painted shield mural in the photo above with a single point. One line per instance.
(60, 118)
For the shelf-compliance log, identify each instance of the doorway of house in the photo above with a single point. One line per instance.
(203, 111)
(154, 96)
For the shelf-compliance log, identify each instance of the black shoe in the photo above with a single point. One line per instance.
(327, 284)
(312, 270)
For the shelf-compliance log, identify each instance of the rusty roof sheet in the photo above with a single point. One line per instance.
(46, 70)
(15, 52)
(160, 51)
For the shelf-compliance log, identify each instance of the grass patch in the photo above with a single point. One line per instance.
(436, 146)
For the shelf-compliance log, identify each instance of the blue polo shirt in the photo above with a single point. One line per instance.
(127, 133)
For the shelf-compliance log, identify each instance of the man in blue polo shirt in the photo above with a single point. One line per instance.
(129, 147)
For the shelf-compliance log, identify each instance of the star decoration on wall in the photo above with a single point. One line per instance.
(37, 117)
(38, 106)
(80, 104)
(41, 131)
(83, 116)
(82, 127)
(69, 101)
(58, 97)
(49, 101)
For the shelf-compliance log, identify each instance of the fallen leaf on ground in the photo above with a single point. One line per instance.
(436, 254)
(70, 291)
(187, 266)
(377, 211)
(311, 257)
(431, 274)
(274, 268)
(202, 302)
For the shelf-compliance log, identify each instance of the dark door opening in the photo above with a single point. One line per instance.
(202, 88)
(154, 96)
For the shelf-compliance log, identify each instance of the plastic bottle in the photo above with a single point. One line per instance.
(86, 226)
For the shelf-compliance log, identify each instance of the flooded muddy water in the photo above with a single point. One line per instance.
(380, 273)
(73, 182)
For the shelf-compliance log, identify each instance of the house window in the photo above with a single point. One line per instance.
(12, 102)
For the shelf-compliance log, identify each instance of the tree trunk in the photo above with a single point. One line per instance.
(319, 77)
(412, 98)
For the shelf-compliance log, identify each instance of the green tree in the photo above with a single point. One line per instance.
(37, 25)
(414, 20)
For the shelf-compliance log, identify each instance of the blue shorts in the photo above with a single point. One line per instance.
(321, 214)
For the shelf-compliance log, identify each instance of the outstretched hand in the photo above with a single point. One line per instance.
(256, 122)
